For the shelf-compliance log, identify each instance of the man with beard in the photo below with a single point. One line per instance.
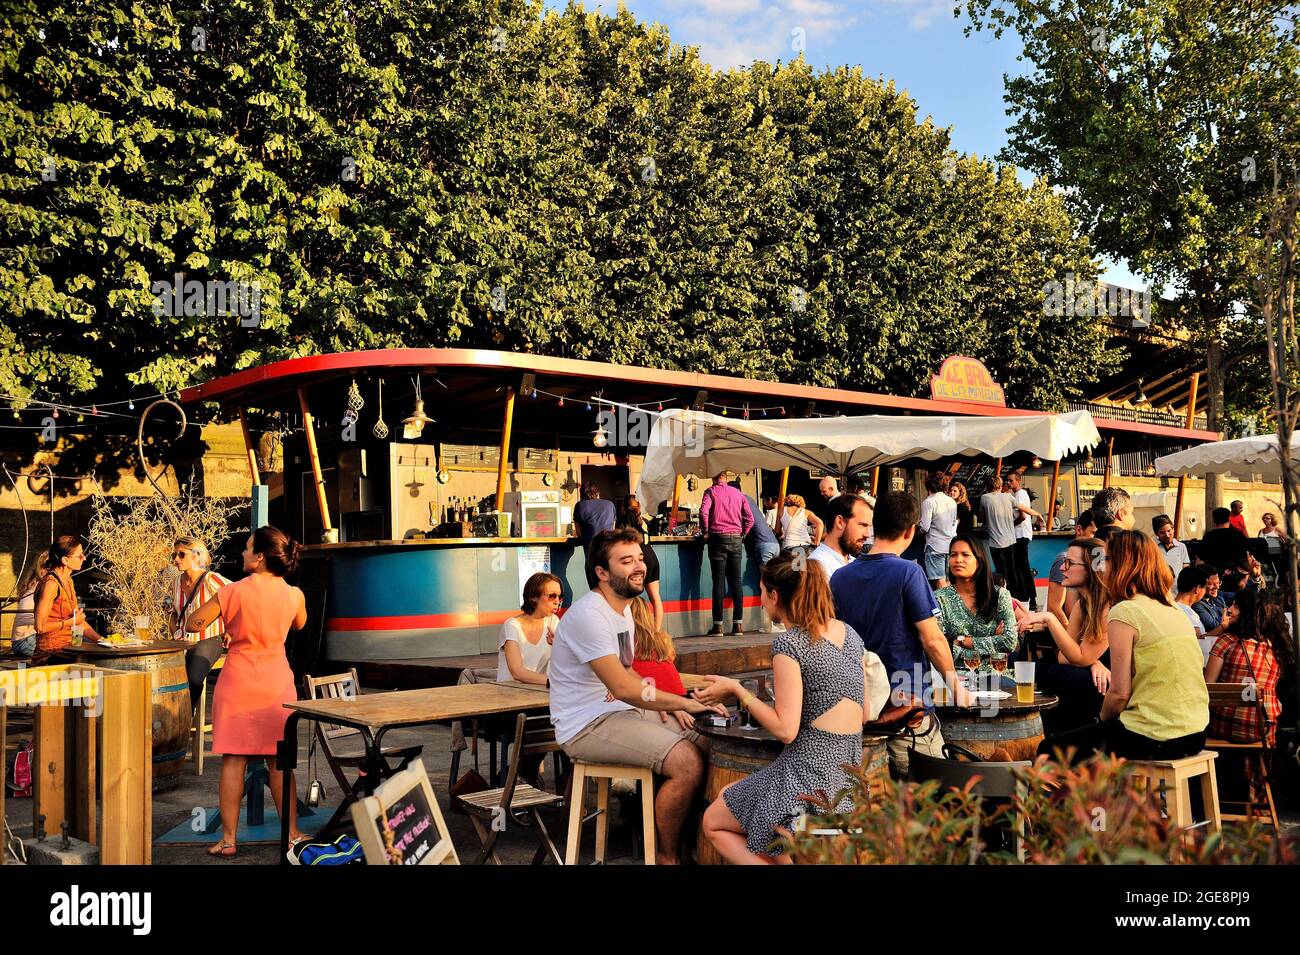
(603, 711)
(847, 521)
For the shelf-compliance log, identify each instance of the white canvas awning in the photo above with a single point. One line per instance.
(696, 442)
(1240, 457)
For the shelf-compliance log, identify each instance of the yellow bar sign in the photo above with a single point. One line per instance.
(966, 379)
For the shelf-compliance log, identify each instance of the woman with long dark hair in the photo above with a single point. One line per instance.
(819, 673)
(1080, 674)
(248, 713)
(58, 612)
(1255, 649)
(974, 614)
(1157, 706)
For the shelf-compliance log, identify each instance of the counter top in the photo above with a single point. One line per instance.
(471, 542)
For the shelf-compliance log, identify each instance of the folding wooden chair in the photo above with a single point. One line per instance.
(341, 686)
(493, 809)
(1239, 694)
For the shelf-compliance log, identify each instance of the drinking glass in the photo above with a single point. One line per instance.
(999, 661)
(751, 686)
(1024, 681)
(971, 660)
(142, 627)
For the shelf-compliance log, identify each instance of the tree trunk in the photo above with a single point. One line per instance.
(1214, 409)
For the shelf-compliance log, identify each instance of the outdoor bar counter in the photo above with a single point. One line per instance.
(440, 597)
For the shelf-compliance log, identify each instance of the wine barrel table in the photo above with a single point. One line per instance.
(736, 753)
(164, 661)
(1016, 728)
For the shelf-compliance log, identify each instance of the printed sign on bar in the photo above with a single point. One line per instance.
(966, 379)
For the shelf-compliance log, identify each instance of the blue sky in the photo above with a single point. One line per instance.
(918, 44)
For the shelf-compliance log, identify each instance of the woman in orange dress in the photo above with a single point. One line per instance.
(248, 713)
(58, 612)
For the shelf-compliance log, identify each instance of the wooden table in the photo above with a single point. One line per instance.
(164, 661)
(1006, 724)
(374, 714)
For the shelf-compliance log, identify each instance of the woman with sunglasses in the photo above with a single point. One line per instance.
(524, 649)
(1080, 674)
(195, 585)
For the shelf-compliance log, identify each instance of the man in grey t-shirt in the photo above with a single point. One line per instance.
(998, 510)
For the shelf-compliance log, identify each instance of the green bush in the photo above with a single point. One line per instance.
(1090, 814)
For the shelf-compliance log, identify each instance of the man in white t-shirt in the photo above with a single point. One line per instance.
(603, 711)
(1023, 587)
(847, 521)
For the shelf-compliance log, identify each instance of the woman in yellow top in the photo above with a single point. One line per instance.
(1157, 706)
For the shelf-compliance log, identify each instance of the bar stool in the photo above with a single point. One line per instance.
(202, 727)
(1176, 775)
(603, 773)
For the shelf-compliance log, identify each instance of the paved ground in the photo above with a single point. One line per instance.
(515, 846)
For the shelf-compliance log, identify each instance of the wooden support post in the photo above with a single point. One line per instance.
(3, 787)
(310, 426)
(1110, 453)
(785, 487)
(1051, 504)
(127, 837)
(504, 462)
(677, 496)
(55, 765)
(997, 469)
(1182, 481)
(248, 447)
(875, 481)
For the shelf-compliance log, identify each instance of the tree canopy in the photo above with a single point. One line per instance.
(495, 173)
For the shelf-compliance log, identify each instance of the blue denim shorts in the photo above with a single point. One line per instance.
(936, 564)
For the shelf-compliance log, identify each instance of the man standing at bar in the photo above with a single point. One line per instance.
(1112, 509)
(827, 491)
(999, 512)
(1238, 518)
(1024, 534)
(726, 519)
(592, 515)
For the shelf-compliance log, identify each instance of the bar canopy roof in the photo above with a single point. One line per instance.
(696, 442)
(474, 381)
(1241, 457)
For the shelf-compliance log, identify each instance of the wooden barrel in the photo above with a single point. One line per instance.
(1016, 733)
(171, 710)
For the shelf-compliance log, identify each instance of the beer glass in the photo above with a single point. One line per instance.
(142, 623)
(1024, 682)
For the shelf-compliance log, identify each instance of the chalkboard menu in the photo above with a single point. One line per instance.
(401, 823)
(974, 476)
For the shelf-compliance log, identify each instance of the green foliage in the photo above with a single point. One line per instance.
(1090, 814)
(1161, 123)
(494, 173)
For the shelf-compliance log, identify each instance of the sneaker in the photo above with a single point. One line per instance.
(738, 630)
(715, 631)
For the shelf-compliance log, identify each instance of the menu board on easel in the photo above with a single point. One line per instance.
(401, 823)
(974, 476)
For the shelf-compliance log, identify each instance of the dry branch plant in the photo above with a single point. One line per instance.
(132, 539)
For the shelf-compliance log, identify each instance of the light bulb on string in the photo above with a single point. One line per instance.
(56, 414)
(130, 405)
(660, 407)
(724, 411)
(561, 402)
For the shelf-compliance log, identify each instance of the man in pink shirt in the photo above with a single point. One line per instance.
(725, 520)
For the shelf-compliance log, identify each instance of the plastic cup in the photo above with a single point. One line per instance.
(142, 627)
(1024, 681)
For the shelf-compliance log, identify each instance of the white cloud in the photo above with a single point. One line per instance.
(737, 32)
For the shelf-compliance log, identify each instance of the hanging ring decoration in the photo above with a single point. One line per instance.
(144, 463)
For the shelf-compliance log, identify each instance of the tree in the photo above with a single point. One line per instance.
(1153, 119)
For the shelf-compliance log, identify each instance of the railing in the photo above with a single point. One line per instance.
(1130, 464)
(1171, 419)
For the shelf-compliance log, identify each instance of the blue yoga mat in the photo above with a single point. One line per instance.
(266, 834)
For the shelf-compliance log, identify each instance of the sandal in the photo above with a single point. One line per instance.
(223, 850)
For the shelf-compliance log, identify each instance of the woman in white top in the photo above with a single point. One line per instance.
(1270, 528)
(800, 527)
(525, 646)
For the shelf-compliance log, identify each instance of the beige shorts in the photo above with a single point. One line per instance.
(630, 737)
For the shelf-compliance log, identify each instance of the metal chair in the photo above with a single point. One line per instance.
(996, 782)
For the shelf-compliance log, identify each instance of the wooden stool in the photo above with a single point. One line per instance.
(603, 773)
(1176, 775)
(201, 725)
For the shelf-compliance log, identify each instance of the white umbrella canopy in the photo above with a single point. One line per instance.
(696, 442)
(1240, 456)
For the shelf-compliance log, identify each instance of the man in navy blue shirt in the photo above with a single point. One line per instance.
(888, 601)
(592, 515)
